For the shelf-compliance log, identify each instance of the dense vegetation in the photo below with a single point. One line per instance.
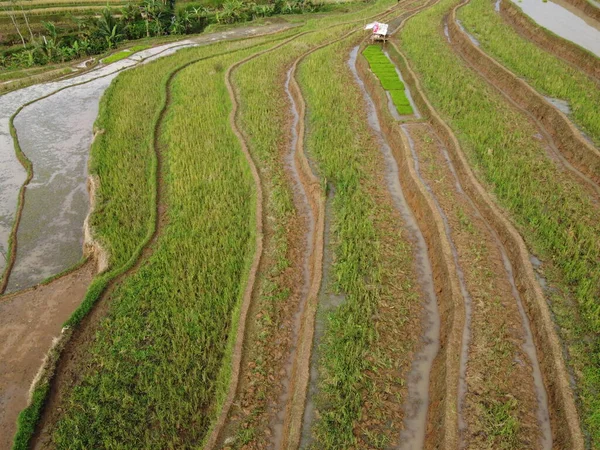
(381, 66)
(558, 220)
(135, 21)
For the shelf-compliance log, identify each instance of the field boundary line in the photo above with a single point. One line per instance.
(547, 341)
(557, 127)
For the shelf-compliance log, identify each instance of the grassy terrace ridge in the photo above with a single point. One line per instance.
(381, 66)
(542, 70)
(358, 362)
(126, 175)
(554, 215)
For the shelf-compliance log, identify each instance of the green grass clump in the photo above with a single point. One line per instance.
(116, 57)
(385, 70)
(557, 218)
(545, 72)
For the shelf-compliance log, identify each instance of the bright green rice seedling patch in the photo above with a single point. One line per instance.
(545, 72)
(556, 217)
(386, 72)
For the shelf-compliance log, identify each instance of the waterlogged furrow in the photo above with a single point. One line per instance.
(499, 146)
(417, 401)
(498, 397)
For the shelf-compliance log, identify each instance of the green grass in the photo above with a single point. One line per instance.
(545, 72)
(390, 81)
(116, 56)
(350, 353)
(556, 217)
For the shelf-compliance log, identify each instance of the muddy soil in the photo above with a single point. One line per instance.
(29, 321)
(498, 367)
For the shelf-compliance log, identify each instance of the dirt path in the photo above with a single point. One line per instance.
(567, 145)
(563, 49)
(556, 379)
(29, 322)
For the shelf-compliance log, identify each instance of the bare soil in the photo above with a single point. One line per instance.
(29, 322)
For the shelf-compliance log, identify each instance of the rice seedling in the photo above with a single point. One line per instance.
(545, 72)
(386, 72)
(556, 218)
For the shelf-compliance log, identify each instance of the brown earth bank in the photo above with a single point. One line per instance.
(586, 7)
(569, 52)
(549, 349)
(29, 322)
(555, 125)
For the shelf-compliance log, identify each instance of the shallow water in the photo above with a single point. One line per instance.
(567, 23)
(415, 421)
(328, 302)
(12, 174)
(561, 105)
(301, 197)
(57, 141)
(470, 36)
(466, 337)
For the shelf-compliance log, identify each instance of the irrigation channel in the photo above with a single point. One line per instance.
(56, 196)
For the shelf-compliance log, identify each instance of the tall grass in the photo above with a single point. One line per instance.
(342, 147)
(544, 71)
(558, 220)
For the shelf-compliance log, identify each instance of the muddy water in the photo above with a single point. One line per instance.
(55, 134)
(301, 198)
(466, 337)
(571, 25)
(528, 344)
(12, 174)
(415, 421)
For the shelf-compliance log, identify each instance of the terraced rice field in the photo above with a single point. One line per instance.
(294, 237)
